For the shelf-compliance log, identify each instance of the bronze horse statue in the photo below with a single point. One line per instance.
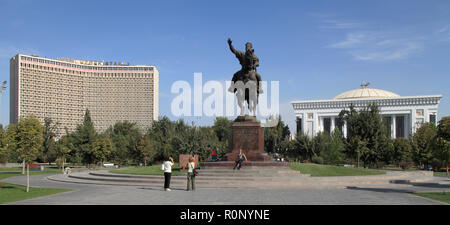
(246, 83)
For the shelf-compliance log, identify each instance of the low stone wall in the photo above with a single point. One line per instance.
(183, 159)
(7, 165)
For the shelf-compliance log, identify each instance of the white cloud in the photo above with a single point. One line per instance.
(379, 46)
(390, 50)
(443, 34)
(336, 24)
(352, 40)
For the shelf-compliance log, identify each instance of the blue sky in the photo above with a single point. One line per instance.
(315, 49)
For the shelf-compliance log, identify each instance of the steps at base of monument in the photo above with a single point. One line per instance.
(244, 164)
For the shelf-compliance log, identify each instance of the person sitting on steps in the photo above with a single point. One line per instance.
(239, 160)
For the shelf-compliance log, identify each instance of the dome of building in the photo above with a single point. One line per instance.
(366, 93)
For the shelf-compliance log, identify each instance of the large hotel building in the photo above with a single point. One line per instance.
(63, 89)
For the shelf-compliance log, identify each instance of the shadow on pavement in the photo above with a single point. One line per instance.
(162, 189)
(432, 185)
(399, 190)
(383, 190)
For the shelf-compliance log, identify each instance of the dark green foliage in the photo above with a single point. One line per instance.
(367, 135)
(26, 138)
(102, 149)
(423, 144)
(273, 136)
(48, 151)
(402, 150)
(3, 146)
(174, 138)
(333, 153)
(125, 137)
(442, 144)
(222, 128)
(82, 138)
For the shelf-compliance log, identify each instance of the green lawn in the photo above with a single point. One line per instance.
(32, 172)
(148, 170)
(438, 196)
(317, 170)
(13, 193)
(441, 174)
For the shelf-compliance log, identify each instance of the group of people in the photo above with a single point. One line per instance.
(190, 165)
(167, 168)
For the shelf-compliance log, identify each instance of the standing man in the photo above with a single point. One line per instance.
(167, 167)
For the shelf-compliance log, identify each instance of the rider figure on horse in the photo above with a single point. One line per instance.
(249, 61)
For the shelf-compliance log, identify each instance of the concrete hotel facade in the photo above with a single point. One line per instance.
(63, 89)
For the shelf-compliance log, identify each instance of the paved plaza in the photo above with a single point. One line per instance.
(91, 194)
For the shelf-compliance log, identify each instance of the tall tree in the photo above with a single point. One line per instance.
(102, 149)
(367, 127)
(48, 152)
(125, 136)
(273, 136)
(3, 146)
(423, 144)
(145, 149)
(402, 150)
(162, 133)
(26, 139)
(333, 151)
(83, 137)
(443, 141)
(63, 149)
(222, 128)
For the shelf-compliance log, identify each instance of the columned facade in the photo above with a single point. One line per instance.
(403, 114)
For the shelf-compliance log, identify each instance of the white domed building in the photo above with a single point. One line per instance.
(403, 113)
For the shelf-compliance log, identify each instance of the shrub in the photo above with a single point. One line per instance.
(405, 165)
(380, 164)
(317, 159)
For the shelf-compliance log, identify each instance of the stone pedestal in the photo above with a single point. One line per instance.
(248, 135)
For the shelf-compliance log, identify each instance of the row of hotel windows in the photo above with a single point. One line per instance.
(51, 62)
(58, 70)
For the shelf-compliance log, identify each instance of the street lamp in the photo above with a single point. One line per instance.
(3, 86)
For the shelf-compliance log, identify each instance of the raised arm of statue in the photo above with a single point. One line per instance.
(231, 46)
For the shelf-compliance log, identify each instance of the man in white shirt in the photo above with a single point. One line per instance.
(167, 167)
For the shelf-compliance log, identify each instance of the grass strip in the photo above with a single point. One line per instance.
(317, 170)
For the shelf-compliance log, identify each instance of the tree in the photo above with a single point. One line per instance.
(83, 137)
(3, 146)
(26, 139)
(48, 151)
(222, 128)
(161, 133)
(423, 144)
(442, 151)
(333, 152)
(63, 149)
(102, 149)
(303, 147)
(369, 130)
(402, 150)
(125, 136)
(145, 150)
(273, 136)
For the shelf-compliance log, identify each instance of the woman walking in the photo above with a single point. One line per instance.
(167, 167)
(190, 174)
